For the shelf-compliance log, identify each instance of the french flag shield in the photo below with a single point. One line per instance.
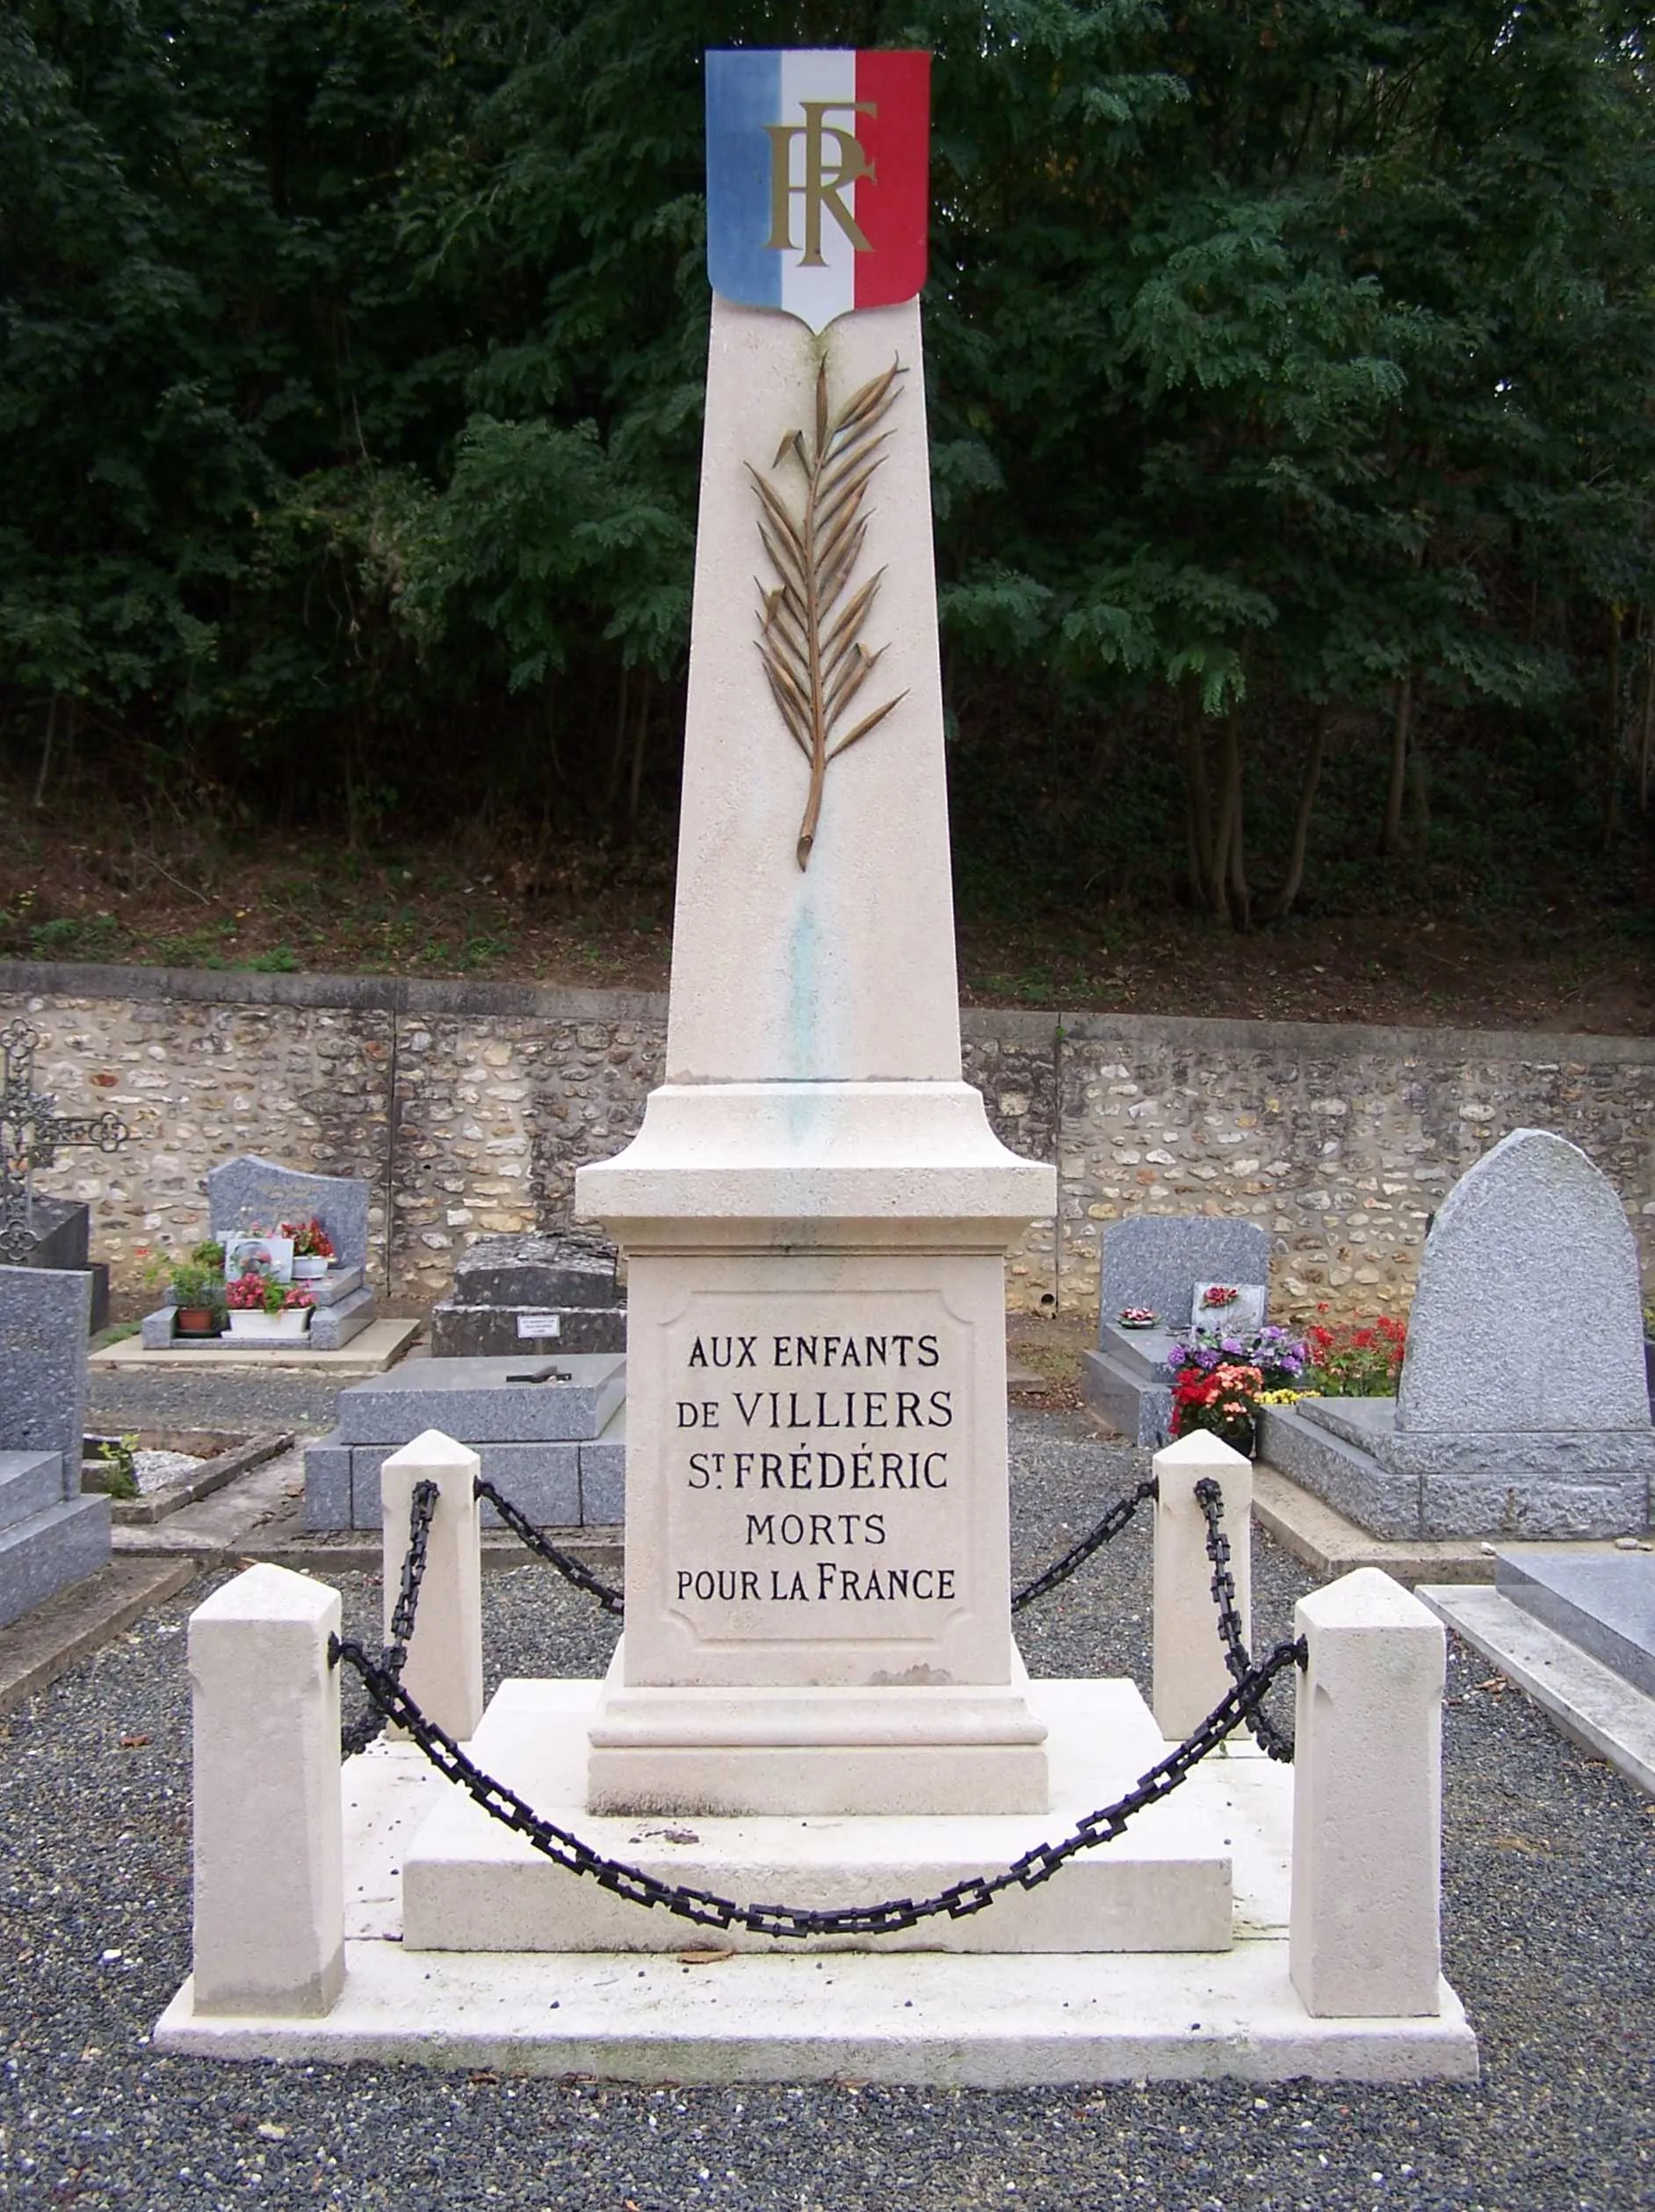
(817, 164)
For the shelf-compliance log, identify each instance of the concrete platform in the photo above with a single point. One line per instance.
(1000, 2023)
(1592, 1704)
(469, 1883)
(371, 1352)
(693, 2009)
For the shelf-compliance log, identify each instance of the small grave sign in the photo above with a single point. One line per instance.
(1230, 1309)
(817, 178)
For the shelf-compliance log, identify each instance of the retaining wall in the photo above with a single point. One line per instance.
(469, 1106)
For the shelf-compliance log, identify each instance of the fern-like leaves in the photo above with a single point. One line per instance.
(811, 637)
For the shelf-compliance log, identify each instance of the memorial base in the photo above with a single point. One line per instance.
(1162, 1956)
(972, 1748)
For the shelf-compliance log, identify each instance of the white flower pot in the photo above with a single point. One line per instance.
(308, 1268)
(271, 1328)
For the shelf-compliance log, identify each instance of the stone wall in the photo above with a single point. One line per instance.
(469, 1107)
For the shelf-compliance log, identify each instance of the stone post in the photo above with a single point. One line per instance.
(269, 1825)
(1189, 1673)
(443, 1674)
(1367, 1802)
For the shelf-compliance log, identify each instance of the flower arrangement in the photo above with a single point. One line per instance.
(1138, 1317)
(256, 1293)
(1280, 1358)
(1360, 1359)
(1218, 1296)
(1223, 1399)
(311, 1241)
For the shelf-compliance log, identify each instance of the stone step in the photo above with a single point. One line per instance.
(333, 1326)
(30, 1481)
(1168, 1883)
(485, 1332)
(44, 1554)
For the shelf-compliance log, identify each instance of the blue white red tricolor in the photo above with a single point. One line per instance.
(817, 178)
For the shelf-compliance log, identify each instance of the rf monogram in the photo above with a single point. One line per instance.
(820, 190)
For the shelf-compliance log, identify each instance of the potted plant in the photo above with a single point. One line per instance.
(312, 1250)
(266, 1310)
(198, 1293)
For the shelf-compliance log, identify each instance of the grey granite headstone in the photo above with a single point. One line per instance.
(1156, 1259)
(1528, 1316)
(44, 1314)
(1522, 1409)
(247, 1190)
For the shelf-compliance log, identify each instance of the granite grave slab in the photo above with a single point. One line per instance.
(1603, 1603)
(545, 1291)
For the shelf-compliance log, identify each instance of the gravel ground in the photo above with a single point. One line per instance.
(1549, 1867)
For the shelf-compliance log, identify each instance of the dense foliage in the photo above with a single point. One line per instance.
(1291, 370)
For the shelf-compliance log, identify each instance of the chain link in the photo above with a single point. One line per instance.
(1209, 1496)
(421, 1512)
(706, 1909)
(1113, 1522)
(569, 1567)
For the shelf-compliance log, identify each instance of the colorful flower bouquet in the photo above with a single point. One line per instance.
(1224, 1399)
(260, 1307)
(1219, 1295)
(1138, 1317)
(1360, 1359)
(313, 1248)
(1281, 1359)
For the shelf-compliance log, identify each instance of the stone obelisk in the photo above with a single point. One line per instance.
(815, 1212)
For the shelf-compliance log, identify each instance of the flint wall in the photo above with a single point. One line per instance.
(469, 1106)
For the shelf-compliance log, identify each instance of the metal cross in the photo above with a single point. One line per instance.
(30, 1134)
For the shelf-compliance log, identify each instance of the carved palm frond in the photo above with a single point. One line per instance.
(811, 636)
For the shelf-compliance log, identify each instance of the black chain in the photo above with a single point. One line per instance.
(569, 1567)
(1209, 1496)
(421, 1512)
(706, 1909)
(1113, 1522)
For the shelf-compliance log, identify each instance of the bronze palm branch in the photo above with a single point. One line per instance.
(811, 640)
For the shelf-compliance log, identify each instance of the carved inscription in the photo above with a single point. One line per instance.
(817, 1457)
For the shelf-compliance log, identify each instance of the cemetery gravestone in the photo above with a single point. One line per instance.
(50, 1535)
(1522, 1408)
(1156, 1261)
(545, 1292)
(551, 1434)
(247, 1192)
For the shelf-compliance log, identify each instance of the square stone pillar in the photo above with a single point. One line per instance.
(1190, 1674)
(269, 1820)
(444, 1673)
(1363, 1937)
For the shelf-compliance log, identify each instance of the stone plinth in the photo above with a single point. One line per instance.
(469, 1884)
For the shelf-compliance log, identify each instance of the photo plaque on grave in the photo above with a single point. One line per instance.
(815, 1212)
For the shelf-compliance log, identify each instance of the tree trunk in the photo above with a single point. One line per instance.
(1390, 829)
(1307, 783)
(635, 788)
(1612, 733)
(1230, 888)
(1646, 734)
(618, 751)
(46, 753)
(1197, 797)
